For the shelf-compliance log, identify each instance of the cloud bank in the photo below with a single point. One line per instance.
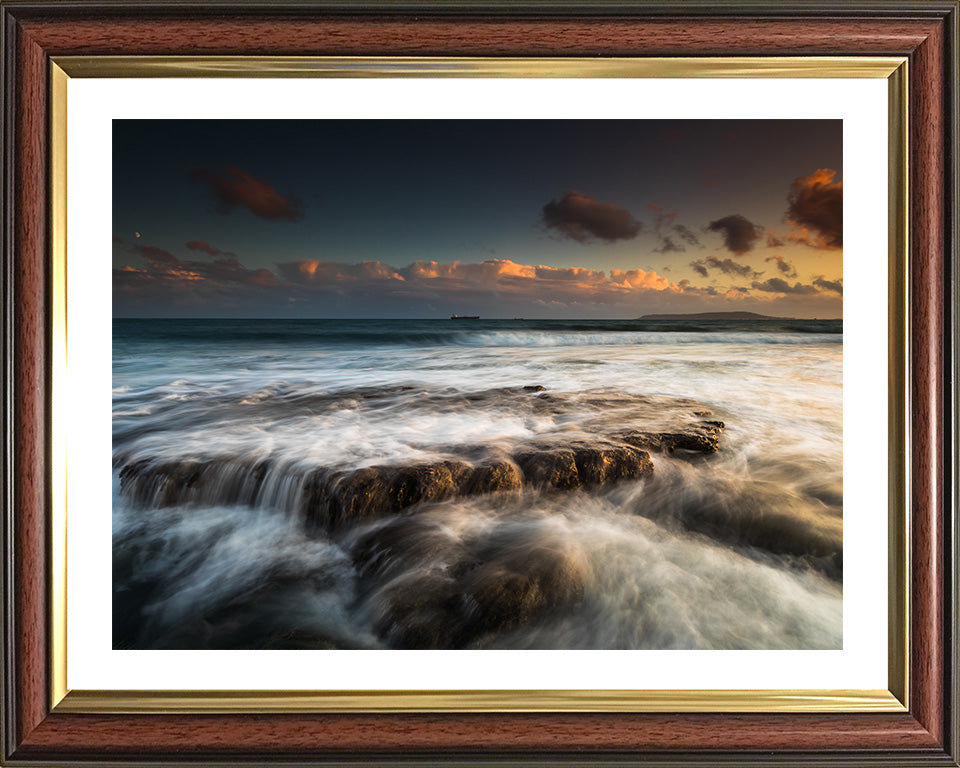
(495, 287)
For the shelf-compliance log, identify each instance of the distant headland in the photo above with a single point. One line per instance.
(714, 316)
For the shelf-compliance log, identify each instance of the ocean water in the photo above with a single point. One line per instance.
(231, 439)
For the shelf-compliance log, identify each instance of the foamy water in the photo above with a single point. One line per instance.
(739, 549)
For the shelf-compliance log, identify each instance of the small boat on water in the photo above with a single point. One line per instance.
(464, 317)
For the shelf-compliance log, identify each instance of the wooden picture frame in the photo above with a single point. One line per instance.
(37, 732)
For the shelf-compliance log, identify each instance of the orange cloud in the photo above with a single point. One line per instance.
(165, 272)
(431, 279)
(815, 209)
(640, 280)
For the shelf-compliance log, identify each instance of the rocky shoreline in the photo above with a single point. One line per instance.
(332, 498)
(423, 577)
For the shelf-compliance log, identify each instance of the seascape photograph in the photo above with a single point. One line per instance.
(477, 384)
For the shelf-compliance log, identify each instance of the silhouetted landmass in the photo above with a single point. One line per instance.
(714, 316)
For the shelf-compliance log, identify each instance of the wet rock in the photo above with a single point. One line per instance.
(191, 481)
(421, 610)
(699, 439)
(520, 584)
(495, 477)
(426, 482)
(331, 500)
(707, 441)
(604, 464)
(559, 460)
(162, 484)
(426, 588)
(551, 468)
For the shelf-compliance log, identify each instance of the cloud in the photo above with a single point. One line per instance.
(739, 234)
(318, 272)
(583, 218)
(500, 277)
(202, 245)
(238, 188)
(686, 235)
(231, 270)
(829, 285)
(118, 239)
(667, 245)
(815, 207)
(692, 290)
(774, 240)
(727, 266)
(165, 275)
(638, 279)
(783, 265)
(496, 286)
(580, 274)
(779, 285)
(667, 232)
(152, 253)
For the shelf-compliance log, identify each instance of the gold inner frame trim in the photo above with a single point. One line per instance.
(58, 373)
(432, 66)
(236, 702)
(895, 699)
(898, 383)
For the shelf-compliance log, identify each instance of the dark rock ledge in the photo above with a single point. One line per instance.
(331, 497)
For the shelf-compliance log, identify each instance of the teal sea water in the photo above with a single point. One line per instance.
(222, 427)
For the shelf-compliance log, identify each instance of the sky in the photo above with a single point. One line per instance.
(497, 218)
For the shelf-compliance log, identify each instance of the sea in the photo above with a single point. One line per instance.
(288, 484)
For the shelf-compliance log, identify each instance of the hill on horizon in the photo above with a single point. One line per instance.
(714, 316)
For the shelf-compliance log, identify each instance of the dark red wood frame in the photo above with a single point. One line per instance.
(926, 32)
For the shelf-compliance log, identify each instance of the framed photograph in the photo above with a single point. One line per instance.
(467, 383)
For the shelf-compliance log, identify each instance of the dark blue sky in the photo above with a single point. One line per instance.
(281, 216)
